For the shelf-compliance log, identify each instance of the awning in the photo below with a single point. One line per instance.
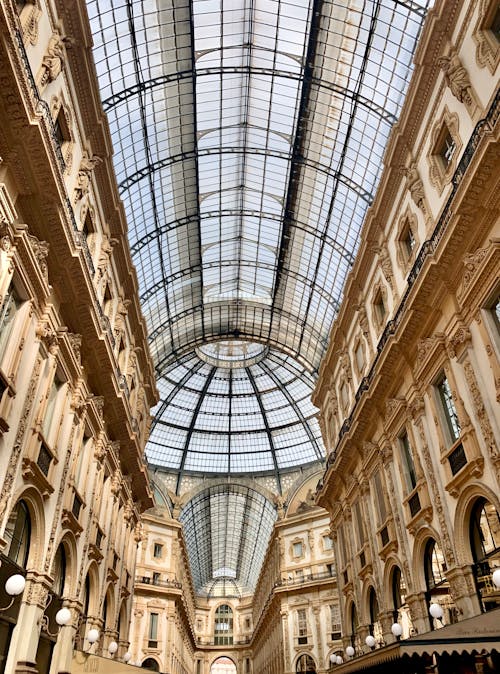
(474, 635)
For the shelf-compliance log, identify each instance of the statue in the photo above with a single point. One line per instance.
(87, 165)
(457, 79)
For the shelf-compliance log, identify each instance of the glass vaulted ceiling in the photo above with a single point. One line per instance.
(248, 139)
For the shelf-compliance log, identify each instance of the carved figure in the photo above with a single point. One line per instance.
(104, 254)
(53, 61)
(416, 186)
(457, 79)
(87, 166)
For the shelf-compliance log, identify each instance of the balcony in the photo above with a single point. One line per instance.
(306, 578)
(147, 580)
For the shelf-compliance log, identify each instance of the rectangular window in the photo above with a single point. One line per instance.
(447, 148)
(457, 459)
(297, 549)
(379, 306)
(77, 506)
(495, 24)
(360, 357)
(414, 504)
(8, 312)
(327, 543)
(302, 625)
(495, 312)
(448, 408)
(158, 549)
(379, 496)
(49, 417)
(409, 241)
(153, 630)
(343, 549)
(360, 525)
(409, 474)
(335, 621)
(44, 460)
(344, 395)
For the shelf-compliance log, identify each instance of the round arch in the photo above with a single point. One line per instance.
(463, 512)
(151, 664)
(223, 664)
(91, 585)
(305, 664)
(419, 549)
(34, 505)
(123, 622)
(68, 543)
(368, 588)
(108, 609)
(309, 478)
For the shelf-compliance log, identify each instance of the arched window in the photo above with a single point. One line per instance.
(18, 534)
(375, 626)
(59, 571)
(305, 665)
(434, 565)
(223, 628)
(401, 610)
(437, 587)
(86, 597)
(485, 548)
(354, 624)
(151, 664)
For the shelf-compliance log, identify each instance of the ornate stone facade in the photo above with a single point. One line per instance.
(72, 476)
(404, 511)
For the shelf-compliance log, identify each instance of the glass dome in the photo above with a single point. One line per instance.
(238, 408)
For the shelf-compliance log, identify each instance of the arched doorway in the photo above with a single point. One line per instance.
(151, 665)
(305, 665)
(18, 537)
(437, 586)
(401, 610)
(223, 665)
(485, 546)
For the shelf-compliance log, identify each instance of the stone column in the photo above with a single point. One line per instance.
(386, 619)
(63, 650)
(24, 643)
(319, 636)
(463, 590)
(418, 611)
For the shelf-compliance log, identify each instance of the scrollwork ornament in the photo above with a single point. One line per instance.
(472, 262)
(19, 439)
(99, 403)
(416, 408)
(75, 341)
(460, 338)
(416, 187)
(41, 251)
(448, 549)
(480, 409)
